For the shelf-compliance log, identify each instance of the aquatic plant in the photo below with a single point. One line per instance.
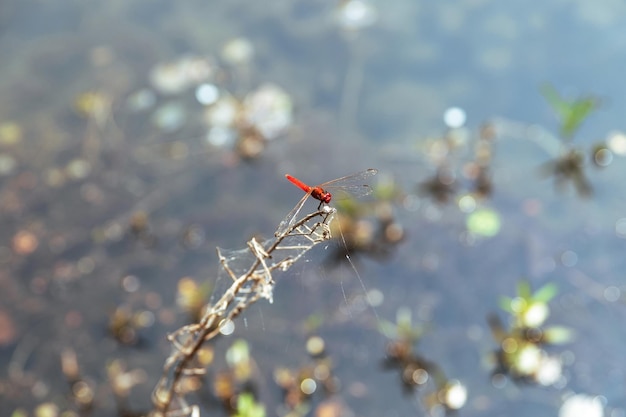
(415, 371)
(248, 407)
(570, 113)
(569, 164)
(522, 355)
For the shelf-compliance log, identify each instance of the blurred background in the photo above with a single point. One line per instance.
(485, 271)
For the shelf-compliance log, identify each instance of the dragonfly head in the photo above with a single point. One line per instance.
(326, 197)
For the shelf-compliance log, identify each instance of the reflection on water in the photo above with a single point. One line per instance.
(135, 137)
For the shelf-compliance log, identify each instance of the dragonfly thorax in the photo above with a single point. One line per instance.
(319, 194)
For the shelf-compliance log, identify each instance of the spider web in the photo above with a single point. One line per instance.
(245, 275)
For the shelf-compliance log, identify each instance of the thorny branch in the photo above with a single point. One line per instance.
(250, 281)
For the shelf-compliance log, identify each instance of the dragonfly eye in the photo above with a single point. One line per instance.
(327, 198)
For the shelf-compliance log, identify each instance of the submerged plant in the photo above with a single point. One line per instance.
(521, 354)
(300, 384)
(416, 371)
(569, 165)
(248, 407)
(571, 113)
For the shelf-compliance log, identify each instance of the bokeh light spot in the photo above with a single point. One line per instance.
(308, 386)
(454, 117)
(484, 222)
(612, 293)
(227, 327)
(620, 227)
(617, 142)
(569, 258)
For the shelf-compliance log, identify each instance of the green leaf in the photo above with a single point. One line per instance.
(505, 304)
(558, 334)
(248, 407)
(245, 402)
(560, 106)
(579, 111)
(313, 322)
(545, 293)
(523, 290)
(571, 113)
(388, 329)
(404, 317)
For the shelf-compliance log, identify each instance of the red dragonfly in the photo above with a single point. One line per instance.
(350, 184)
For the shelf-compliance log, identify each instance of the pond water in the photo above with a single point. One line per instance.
(136, 136)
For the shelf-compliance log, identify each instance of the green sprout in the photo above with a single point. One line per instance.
(416, 371)
(569, 165)
(313, 322)
(403, 328)
(521, 353)
(530, 310)
(248, 407)
(571, 113)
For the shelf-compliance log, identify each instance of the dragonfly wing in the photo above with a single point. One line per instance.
(351, 191)
(354, 185)
(290, 219)
(352, 178)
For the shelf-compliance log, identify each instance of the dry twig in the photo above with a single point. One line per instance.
(250, 274)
